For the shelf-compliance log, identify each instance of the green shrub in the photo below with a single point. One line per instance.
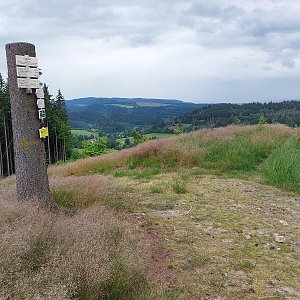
(77, 154)
(95, 148)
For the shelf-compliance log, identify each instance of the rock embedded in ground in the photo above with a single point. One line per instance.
(283, 222)
(280, 239)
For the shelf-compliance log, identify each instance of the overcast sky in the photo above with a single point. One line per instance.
(199, 51)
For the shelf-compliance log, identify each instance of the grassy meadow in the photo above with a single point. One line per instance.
(156, 135)
(212, 214)
(85, 132)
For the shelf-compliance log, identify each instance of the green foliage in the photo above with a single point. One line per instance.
(282, 168)
(262, 120)
(217, 115)
(123, 115)
(77, 154)
(236, 121)
(60, 143)
(6, 146)
(94, 148)
(138, 138)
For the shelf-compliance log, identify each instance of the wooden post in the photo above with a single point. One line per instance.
(30, 161)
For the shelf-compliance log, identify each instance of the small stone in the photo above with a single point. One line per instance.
(280, 239)
(248, 237)
(283, 222)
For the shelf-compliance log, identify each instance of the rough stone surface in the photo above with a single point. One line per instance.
(280, 239)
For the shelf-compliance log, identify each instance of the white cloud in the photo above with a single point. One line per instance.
(192, 50)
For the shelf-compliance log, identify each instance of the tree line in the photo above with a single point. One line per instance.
(58, 144)
(218, 115)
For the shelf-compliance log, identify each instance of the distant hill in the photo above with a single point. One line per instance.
(286, 112)
(120, 114)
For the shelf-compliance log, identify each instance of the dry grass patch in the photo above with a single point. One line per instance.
(92, 255)
(79, 192)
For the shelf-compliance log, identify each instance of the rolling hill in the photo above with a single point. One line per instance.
(119, 114)
(216, 115)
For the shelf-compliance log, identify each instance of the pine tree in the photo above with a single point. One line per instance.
(6, 145)
(59, 143)
(63, 128)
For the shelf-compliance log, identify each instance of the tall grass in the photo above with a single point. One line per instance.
(282, 168)
(228, 149)
(79, 192)
(243, 151)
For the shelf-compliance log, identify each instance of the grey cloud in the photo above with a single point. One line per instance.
(214, 10)
(286, 57)
(273, 30)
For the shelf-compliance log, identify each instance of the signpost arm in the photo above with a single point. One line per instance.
(31, 169)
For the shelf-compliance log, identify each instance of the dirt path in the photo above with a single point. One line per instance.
(231, 239)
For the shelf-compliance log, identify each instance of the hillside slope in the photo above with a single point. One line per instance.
(199, 208)
(216, 115)
(117, 114)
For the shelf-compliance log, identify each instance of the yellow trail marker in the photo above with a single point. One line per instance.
(43, 132)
